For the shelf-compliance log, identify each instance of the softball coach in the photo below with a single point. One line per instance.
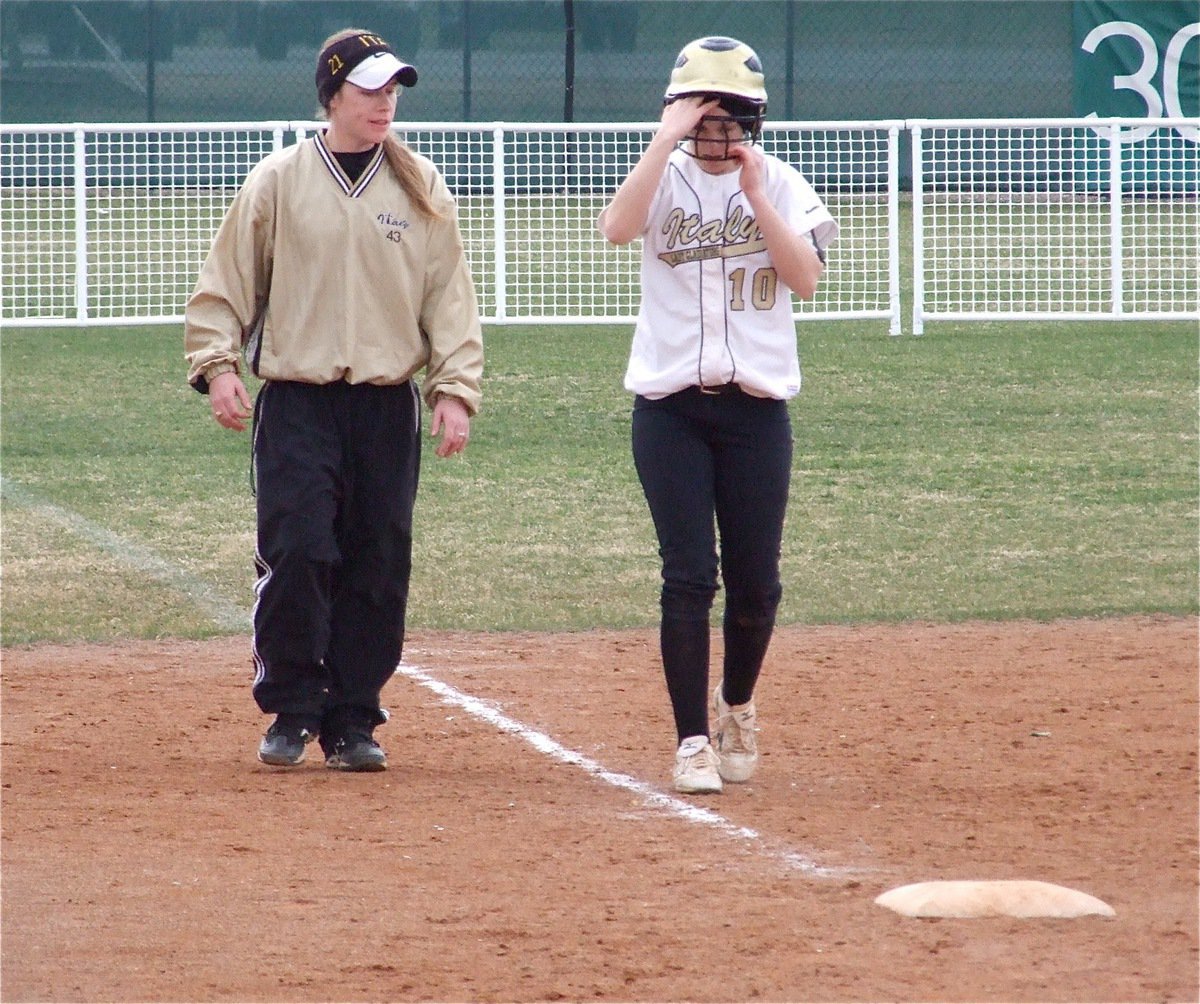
(339, 274)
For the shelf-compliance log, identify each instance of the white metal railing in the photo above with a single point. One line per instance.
(124, 243)
(109, 223)
(1055, 219)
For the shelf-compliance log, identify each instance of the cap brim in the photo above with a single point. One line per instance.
(377, 70)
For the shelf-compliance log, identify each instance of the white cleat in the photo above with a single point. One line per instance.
(696, 767)
(733, 735)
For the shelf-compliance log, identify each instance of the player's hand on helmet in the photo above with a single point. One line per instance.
(681, 116)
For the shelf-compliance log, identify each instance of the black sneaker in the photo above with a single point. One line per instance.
(283, 745)
(355, 749)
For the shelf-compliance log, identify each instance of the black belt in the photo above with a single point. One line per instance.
(721, 388)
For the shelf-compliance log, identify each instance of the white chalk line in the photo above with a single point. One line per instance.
(221, 611)
(654, 798)
(228, 616)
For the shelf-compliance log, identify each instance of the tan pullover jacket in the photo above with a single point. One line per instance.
(319, 279)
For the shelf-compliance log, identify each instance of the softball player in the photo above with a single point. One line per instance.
(728, 234)
(338, 272)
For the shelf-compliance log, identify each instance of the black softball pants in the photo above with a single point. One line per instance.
(714, 468)
(336, 470)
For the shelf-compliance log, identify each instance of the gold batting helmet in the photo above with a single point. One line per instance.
(718, 65)
(727, 70)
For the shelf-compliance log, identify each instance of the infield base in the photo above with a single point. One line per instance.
(1006, 898)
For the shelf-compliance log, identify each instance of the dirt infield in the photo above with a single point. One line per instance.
(524, 845)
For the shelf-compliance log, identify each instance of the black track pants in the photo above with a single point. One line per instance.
(336, 470)
(714, 465)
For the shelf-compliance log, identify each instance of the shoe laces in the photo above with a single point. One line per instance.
(703, 758)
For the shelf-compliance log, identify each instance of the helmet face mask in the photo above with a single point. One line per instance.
(727, 71)
(715, 134)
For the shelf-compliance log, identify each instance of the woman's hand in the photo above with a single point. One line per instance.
(680, 118)
(230, 401)
(452, 420)
(751, 160)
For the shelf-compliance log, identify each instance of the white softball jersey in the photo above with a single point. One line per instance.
(713, 310)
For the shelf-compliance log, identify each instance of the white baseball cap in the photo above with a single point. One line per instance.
(380, 67)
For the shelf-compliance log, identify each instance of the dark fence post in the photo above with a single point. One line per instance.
(569, 151)
(466, 60)
(790, 63)
(150, 47)
(569, 62)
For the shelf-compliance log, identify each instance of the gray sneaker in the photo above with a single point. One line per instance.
(355, 750)
(284, 742)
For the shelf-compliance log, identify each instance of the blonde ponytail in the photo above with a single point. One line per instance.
(404, 166)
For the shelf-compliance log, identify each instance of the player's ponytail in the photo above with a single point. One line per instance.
(404, 165)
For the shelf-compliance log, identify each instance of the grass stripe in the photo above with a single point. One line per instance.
(224, 614)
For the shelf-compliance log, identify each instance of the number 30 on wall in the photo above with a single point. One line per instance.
(1141, 82)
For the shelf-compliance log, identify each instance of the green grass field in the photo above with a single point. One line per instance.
(981, 471)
